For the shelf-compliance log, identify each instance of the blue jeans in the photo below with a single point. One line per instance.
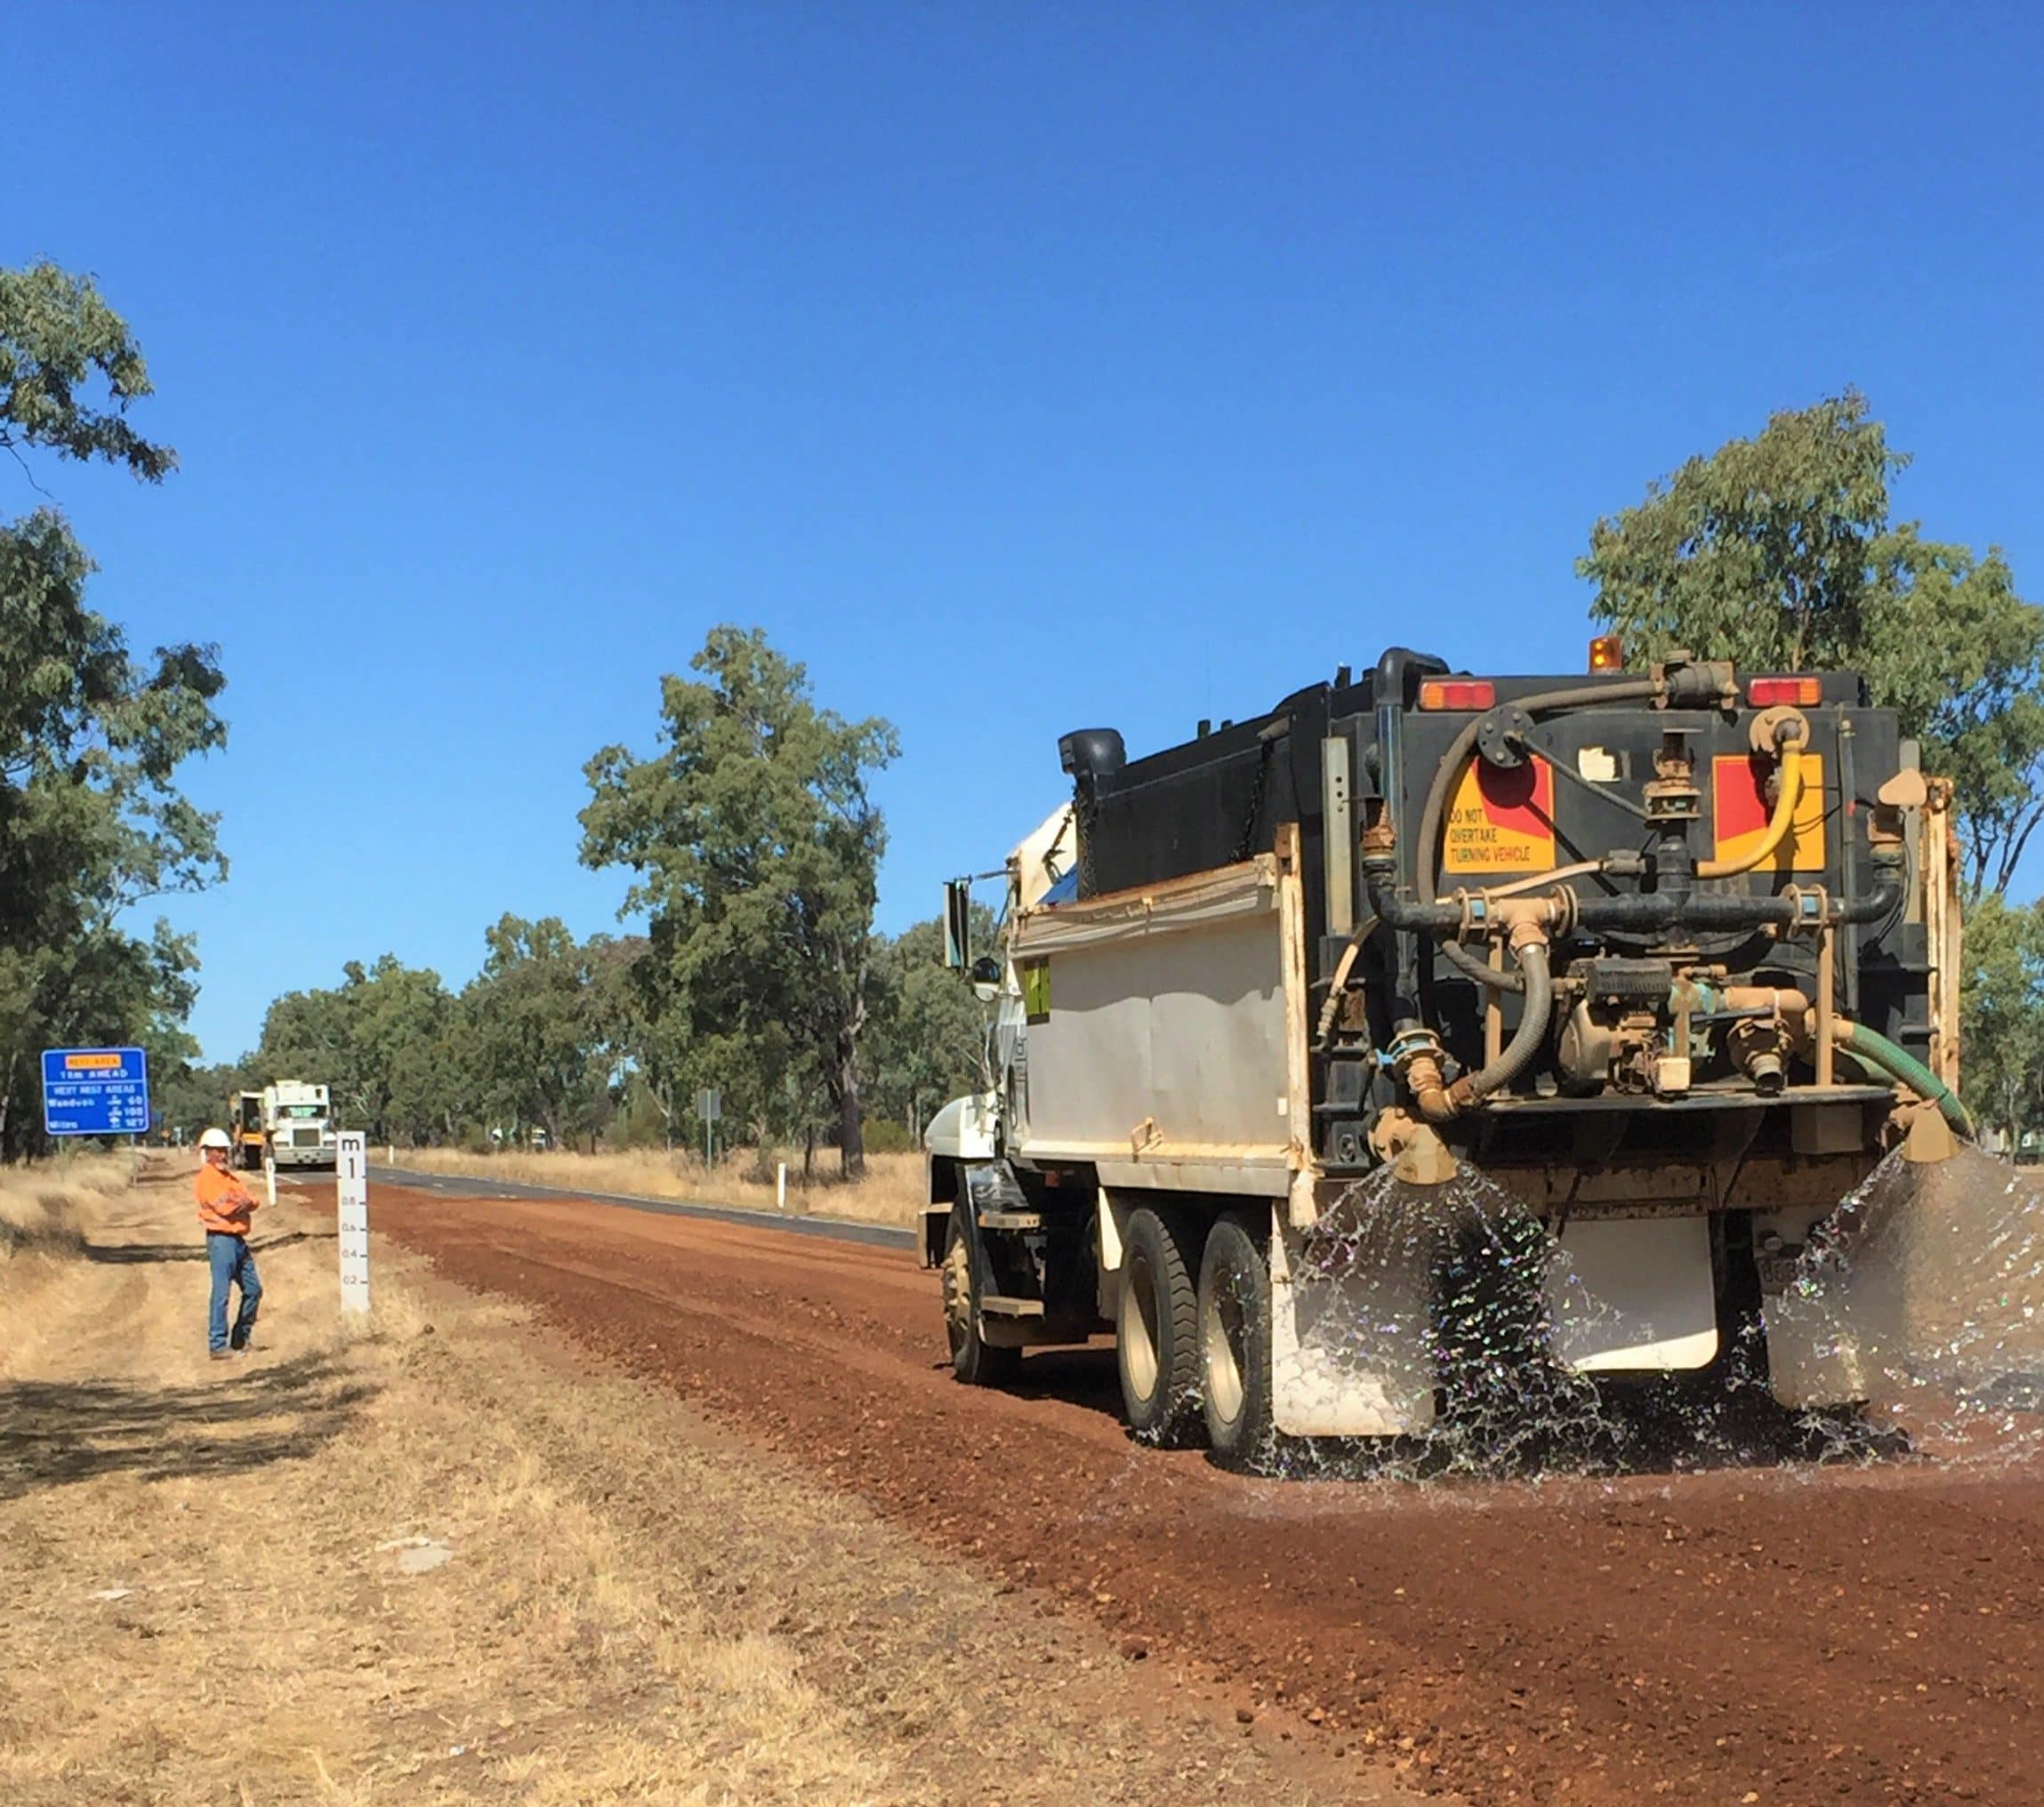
(232, 1265)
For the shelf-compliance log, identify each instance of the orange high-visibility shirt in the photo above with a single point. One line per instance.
(224, 1203)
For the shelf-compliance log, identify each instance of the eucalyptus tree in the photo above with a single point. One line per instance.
(755, 842)
(91, 735)
(1780, 552)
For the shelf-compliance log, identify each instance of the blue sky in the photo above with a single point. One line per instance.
(1018, 367)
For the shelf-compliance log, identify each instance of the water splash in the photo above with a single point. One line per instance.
(1925, 1286)
(1451, 1291)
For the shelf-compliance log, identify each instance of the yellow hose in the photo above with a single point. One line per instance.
(1778, 825)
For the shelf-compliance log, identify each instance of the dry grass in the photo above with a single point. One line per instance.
(892, 1192)
(207, 1567)
(440, 1560)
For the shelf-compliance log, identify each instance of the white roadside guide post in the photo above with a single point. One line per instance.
(270, 1176)
(780, 1188)
(351, 1179)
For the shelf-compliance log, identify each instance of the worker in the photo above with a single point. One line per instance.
(225, 1207)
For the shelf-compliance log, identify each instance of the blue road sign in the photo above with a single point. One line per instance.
(95, 1091)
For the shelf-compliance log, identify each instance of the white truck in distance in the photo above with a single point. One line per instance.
(299, 1122)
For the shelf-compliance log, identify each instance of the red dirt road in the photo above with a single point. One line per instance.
(1771, 1636)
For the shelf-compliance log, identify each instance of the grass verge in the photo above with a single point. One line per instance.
(444, 1559)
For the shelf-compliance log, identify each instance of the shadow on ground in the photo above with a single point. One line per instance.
(116, 1254)
(238, 1418)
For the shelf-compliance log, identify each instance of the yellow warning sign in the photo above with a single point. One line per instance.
(1740, 812)
(1501, 821)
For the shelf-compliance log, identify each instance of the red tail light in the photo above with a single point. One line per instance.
(1457, 693)
(1771, 693)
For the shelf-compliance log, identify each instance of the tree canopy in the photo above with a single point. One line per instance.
(2001, 1002)
(1779, 552)
(92, 821)
(756, 844)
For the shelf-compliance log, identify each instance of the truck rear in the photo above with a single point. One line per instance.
(1669, 956)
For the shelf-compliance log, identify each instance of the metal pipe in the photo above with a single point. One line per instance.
(1792, 1007)
(1659, 911)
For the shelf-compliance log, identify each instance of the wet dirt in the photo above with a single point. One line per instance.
(1775, 1634)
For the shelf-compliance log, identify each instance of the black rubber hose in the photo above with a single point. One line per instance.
(1637, 690)
(1516, 1055)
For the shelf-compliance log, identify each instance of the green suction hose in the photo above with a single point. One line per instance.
(1856, 1038)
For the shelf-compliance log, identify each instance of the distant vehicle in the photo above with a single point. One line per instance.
(248, 1130)
(298, 1120)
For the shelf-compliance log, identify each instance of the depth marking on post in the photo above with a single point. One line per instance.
(351, 1180)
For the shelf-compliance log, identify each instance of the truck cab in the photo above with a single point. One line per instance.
(298, 1117)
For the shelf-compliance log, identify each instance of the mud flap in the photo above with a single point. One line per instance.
(1633, 1296)
(1349, 1353)
(1834, 1326)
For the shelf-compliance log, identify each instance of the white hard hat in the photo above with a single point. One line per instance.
(214, 1138)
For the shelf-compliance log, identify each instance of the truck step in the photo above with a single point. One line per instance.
(1011, 1220)
(994, 1307)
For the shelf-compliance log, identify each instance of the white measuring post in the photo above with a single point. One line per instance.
(351, 1180)
(780, 1188)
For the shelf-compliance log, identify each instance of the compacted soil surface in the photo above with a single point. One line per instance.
(1779, 1634)
(439, 1556)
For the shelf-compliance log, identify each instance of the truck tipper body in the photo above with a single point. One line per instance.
(1668, 955)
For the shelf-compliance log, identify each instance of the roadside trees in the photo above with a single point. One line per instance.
(1778, 552)
(756, 844)
(2001, 1002)
(92, 823)
(542, 1018)
(928, 1038)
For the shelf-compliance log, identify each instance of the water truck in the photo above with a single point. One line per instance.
(1670, 955)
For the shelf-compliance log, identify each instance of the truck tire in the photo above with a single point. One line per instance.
(1156, 1333)
(1235, 1342)
(973, 1360)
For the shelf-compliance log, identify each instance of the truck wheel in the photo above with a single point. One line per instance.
(973, 1360)
(1156, 1333)
(1235, 1343)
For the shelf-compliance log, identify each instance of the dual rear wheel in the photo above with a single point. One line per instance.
(1193, 1344)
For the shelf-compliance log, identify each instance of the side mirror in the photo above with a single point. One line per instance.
(957, 923)
(986, 978)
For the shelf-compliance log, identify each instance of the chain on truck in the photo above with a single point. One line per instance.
(1671, 956)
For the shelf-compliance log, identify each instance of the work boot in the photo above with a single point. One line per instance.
(218, 1355)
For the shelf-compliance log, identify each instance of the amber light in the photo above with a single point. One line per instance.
(1457, 693)
(1605, 653)
(1771, 693)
